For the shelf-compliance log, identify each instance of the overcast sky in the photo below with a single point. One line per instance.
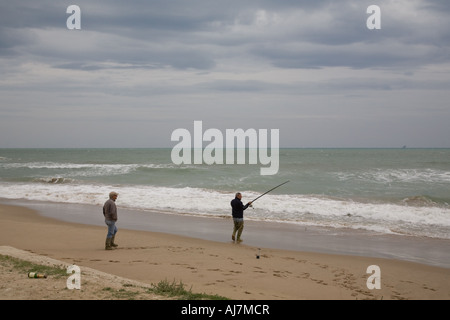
(137, 70)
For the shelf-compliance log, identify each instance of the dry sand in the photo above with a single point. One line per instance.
(226, 269)
(95, 285)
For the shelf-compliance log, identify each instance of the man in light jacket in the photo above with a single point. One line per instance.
(110, 213)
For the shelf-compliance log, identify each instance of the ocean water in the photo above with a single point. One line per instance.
(387, 191)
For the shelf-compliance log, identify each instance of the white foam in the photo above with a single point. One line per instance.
(74, 170)
(299, 209)
(398, 175)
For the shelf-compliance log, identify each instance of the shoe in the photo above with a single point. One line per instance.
(112, 242)
(108, 244)
(239, 240)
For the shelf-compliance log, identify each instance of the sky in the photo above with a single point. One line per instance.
(138, 70)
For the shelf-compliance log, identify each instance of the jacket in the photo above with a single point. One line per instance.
(110, 210)
(238, 208)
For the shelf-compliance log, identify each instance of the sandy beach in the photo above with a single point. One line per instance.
(214, 267)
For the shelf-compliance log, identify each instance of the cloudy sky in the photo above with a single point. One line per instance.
(137, 70)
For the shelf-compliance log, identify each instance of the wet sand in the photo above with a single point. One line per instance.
(258, 234)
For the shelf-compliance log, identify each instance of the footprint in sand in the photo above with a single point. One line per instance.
(294, 259)
(281, 274)
(210, 284)
(318, 281)
(305, 275)
(428, 288)
(259, 271)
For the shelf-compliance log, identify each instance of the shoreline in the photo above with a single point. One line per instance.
(260, 234)
(222, 268)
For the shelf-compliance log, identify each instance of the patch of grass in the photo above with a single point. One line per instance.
(164, 288)
(177, 290)
(122, 293)
(26, 267)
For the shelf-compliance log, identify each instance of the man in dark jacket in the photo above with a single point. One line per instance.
(110, 213)
(238, 216)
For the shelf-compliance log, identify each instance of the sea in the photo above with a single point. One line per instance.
(385, 191)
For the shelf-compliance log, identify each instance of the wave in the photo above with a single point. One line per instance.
(425, 201)
(55, 180)
(88, 170)
(397, 175)
(415, 216)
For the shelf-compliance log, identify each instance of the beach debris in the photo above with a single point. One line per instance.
(259, 253)
(37, 275)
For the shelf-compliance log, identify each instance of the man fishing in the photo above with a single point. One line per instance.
(238, 212)
(238, 216)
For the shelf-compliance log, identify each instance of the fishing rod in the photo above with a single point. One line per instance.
(270, 190)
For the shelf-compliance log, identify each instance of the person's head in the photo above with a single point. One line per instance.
(238, 195)
(113, 195)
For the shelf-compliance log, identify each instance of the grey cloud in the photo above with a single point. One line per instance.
(287, 64)
(93, 67)
(32, 14)
(437, 5)
(193, 36)
(357, 56)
